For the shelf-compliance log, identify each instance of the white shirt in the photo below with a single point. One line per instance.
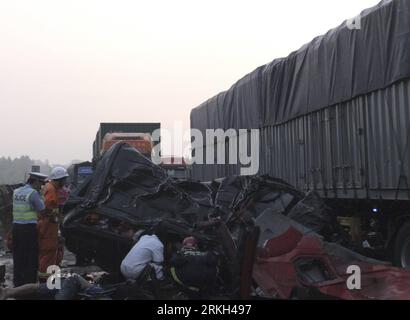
(148, 250)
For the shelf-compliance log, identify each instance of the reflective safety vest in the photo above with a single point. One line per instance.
(22, 209)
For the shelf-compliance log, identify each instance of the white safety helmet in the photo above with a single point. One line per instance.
(58, 173)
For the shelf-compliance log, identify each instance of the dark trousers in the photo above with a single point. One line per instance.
(25, 253)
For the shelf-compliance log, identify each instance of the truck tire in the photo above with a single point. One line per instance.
(402, 247)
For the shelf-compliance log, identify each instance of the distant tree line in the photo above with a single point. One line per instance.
(13, 171)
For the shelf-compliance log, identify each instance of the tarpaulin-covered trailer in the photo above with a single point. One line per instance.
(333, 116)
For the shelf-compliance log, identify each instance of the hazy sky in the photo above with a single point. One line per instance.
(66, 66)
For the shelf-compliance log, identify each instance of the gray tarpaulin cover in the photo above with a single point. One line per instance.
(333, 68)
(126, 184)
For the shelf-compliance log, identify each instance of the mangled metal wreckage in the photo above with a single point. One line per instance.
(272, 240)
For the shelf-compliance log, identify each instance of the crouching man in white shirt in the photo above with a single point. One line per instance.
(149, 250)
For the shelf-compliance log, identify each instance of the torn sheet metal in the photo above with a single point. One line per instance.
(295, 262)
(127, 188)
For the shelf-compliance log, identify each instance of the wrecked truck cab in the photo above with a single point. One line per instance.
(128, 189)
(128, 192)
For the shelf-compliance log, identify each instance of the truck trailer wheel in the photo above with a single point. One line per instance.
(402, 247)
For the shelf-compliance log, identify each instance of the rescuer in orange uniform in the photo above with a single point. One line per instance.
(48, 222)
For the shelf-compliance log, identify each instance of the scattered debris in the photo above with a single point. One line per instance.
(128, 192)
(296, 263)
(272, 240)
